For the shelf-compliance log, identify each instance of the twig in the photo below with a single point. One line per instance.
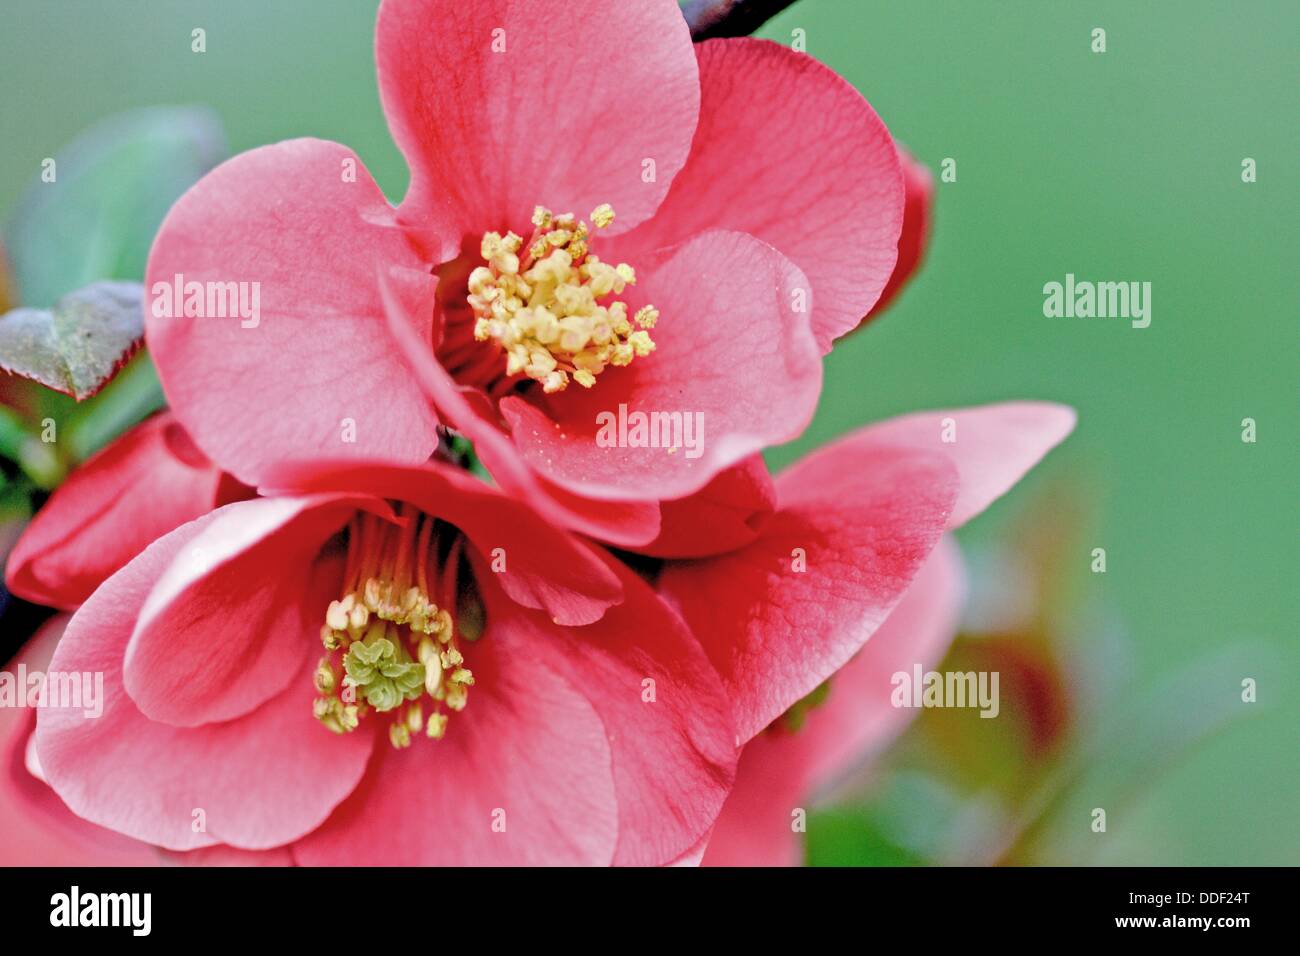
(729, 18)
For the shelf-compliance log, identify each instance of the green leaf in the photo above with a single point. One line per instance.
(20, 444)
(75, 347)
(132, 396)
(112, 187)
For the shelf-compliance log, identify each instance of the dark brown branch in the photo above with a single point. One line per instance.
(729, 18)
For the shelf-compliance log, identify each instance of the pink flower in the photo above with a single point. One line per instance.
(757, 201)
(482, 687)
(842, 582)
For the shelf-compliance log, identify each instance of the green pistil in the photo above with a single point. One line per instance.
(377, 669)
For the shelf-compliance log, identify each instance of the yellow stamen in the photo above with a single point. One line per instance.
(436, 727)
(546, 311)
(395, 645)
(326, 679)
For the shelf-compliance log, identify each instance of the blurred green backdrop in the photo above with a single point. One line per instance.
(1117, 166)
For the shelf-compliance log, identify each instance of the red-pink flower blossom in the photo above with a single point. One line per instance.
(757, 202)
(482, 687)
(739, 207)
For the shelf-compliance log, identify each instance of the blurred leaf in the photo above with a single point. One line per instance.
(845, 837)
(13, 433)
(6, 295)
(15, 510)
(75, 347)
(113, 185)
(132, 396)
(38, 460)
(1130, 750)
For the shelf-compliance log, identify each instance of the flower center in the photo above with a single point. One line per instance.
(396, 648)
(541, 302)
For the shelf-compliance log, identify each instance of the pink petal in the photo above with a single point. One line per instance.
(725, 514)
(528, 752)
(316, 375)
(863, 520)
(993, 447)
(756, 827)
(790, 152)
(222, 630)
(36, 829)
(222, 855)
(912, 241)
(665, 714)
(781, 770)
(732, 346)
(857, 718)
(146, 483)
(544, 566)
(262, 780)
(693, 856)
(564, 117)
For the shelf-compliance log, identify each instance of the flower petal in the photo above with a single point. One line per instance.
(857, 718)
(36, 829)
(781, 770)
(992, 446)
(725, 514)
(543, 567)
(781, 615)
(147, 780)
(665, 714)
(501, 105)
(734, 360)
(222, 855)
(912, 241)
(223, 627)
(790, 152)
(522, 777)
(146, 483)
(312, 372)
(756, 827)
(693, 856)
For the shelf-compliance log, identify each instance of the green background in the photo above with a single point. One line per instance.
(1117, 166)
